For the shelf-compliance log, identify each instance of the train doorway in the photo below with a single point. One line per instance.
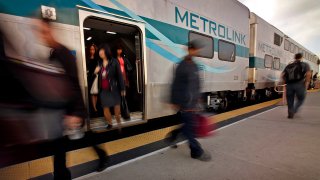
(128, 36)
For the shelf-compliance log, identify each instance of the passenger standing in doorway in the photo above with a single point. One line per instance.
(297, 77)
(125, 65)
(75, 112)
(111, 85)
(92, 63)
(185, 94)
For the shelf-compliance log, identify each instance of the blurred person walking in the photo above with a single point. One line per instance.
(185, 94)
(75, 112)
(297, 77)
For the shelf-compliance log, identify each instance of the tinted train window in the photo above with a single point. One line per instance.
(207, 43)
(268, 61)
(227, 51)
(292, 47)
(286, 45)
(277, 39)
(276, 63)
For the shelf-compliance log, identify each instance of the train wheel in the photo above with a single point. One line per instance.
(224, 104)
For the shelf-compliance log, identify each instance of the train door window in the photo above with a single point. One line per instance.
(226, 51)
(292, 47)
(206, 41)
(117, 35)
(276, 63)
(277, 39)
(286, 45)
(268, 61)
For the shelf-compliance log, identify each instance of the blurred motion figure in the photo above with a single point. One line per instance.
(185, 94)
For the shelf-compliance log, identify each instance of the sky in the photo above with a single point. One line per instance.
(299, 19)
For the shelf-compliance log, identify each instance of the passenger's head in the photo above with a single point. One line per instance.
(119, 50)
(93, 49)
(44, 31)
(194, 48)
(298, 56)
(105, 52)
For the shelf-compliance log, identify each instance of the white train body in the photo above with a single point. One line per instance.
(158, 31)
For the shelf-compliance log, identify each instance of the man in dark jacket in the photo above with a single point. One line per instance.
(75, 109)
(297, 77)
(185, 94)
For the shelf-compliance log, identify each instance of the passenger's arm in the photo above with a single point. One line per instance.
(283, 78)
(97, 70)
(308, 79)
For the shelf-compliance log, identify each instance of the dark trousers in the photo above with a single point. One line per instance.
(60, 146)
(295, 90)
(188, 126)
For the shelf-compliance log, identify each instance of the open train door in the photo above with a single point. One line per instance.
(97, 27)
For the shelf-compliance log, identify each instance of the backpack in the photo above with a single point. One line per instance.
(294, 72)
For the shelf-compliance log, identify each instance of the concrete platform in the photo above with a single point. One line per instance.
(265, 146)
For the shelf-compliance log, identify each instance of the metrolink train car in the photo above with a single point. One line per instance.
(270, 51)
(154, 35)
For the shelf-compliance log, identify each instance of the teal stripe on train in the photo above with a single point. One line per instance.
(65, 9)
(180, 36)
(256, 62)
(67, 13)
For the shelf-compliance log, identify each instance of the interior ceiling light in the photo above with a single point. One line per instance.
(110, 32)
(85, 28)
(89, 38)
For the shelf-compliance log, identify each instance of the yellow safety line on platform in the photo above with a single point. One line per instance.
(44, 166)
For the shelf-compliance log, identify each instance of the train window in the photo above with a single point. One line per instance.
(304, 54)
(207, 43)
(268, 61)
(227, 51)
(292, 47)
(277, 39)
(286, 45)
(276, 63)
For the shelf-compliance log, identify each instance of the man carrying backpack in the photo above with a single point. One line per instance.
(297, 77)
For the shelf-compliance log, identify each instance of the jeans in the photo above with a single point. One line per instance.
(188, 121)
(295, 90)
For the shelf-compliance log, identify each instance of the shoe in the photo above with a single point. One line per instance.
(203, 157)
(174, 146)
(109, 126)
(290, 115)
(103, 164)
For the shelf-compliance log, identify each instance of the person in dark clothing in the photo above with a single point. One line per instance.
(92, 62)
(185, 94)
(125, 65)
(297, 77)
(111, 85)
(75, 112)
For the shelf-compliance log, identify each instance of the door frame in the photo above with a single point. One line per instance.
(87, 13)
